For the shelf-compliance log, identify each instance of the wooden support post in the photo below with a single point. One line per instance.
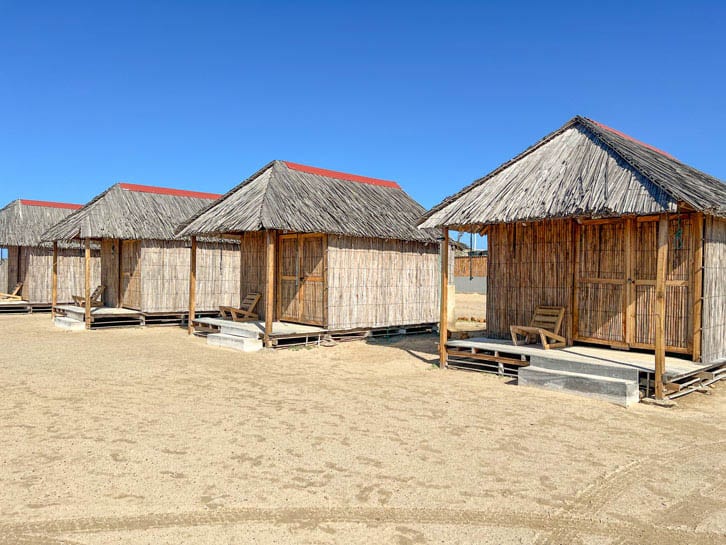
(54, 287)
(697, 284)
(660, 305)
(444, 315)
(87, 291)
(270, 287)
(629, 295)
(192, 286)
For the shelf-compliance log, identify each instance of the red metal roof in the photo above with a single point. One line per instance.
(619, 133)
(168, 191)
(340, 175)
(49, 204)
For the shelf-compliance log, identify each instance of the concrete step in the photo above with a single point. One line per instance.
(600, 369)
(615, 390)
(70, 324)
(237, 331)
(245, 344)
(74, 314)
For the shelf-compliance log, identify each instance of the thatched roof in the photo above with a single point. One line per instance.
(292, 197)
(583, 169)
(23, 222)
(131, 212)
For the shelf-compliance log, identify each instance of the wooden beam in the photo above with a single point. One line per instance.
(443, 314)
(270, 286)
(87, 284)
(660, 305)
(629, 292)
(697, 284)
(192, 286)
(54, 286)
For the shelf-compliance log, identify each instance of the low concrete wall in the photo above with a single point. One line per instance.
(463, 284)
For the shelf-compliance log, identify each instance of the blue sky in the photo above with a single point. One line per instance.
(199, 95)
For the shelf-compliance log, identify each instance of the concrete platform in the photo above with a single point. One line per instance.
(15, 307)
(79, 313)
(69, 324)
(257, 329)
(614, 390)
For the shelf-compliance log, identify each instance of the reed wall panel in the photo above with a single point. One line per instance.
(375, 282)
(165, 275)
(529, 265)
(4, 275)
(35, 269)
(110, 272)
(465, 266)
(12, 271)
(252, 258)
(714, 290)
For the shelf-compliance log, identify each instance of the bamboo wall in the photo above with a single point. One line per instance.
(34, 267)
(529, 265)
(373, 282)
(164, 268)
(714, 290)
(4, 276)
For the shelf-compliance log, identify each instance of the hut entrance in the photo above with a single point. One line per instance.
(301, 285)
(616, 277)
(131, 274)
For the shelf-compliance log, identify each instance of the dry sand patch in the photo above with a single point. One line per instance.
(151, 436)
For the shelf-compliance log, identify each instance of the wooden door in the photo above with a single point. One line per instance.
(679, 272)
(601, 283)
(615, 284)
(131, 274)
(301, 274)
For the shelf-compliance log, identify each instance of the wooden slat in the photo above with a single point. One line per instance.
(54, 287)
(443, 314)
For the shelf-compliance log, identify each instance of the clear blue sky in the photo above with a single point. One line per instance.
(199, 95)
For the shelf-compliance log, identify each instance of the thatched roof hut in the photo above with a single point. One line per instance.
(328, 248)
(22, 224)
(602, 224)
(143, 267)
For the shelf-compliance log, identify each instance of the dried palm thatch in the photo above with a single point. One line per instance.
(583, 169)
(23, 222)
(291, 197)
(131, 212)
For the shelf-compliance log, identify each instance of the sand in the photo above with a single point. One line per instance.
(148, 436)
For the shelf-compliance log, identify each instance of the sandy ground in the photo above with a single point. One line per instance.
(151, 437)
(470, 305)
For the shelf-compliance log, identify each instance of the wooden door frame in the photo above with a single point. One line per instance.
(300, 237)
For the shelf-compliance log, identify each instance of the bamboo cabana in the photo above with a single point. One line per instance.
(30, 261)
(327, 248)
(628, 239)
(143, 267)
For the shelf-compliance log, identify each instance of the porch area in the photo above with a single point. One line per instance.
(618, 376)
(248, 336)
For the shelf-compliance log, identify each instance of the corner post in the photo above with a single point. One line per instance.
(87, 283)
(269, 286)
(660, 305)
(54, 287)
(443, 314)
(192, 286)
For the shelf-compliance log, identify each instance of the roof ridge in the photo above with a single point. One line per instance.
(138, 188)
(628, 137)
(50, 204)
(340, 175)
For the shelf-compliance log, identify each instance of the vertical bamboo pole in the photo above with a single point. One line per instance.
(54, 287)
(443, 315)
(192, 286)
(269, 286)
(697, 239)
(660, 305)
(87, 291)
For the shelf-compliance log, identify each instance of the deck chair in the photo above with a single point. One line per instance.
(96, 300)
(545, 324)
(245, 312)
(13, 295)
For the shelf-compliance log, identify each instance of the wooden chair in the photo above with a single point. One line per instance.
(245, 312)
(545, 324)
(13, 295)
(96, 300)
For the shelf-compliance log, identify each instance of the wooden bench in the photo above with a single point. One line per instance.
(245, 312)
(545, 325)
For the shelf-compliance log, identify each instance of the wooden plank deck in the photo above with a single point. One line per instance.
(675, 367)
(279, 329)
